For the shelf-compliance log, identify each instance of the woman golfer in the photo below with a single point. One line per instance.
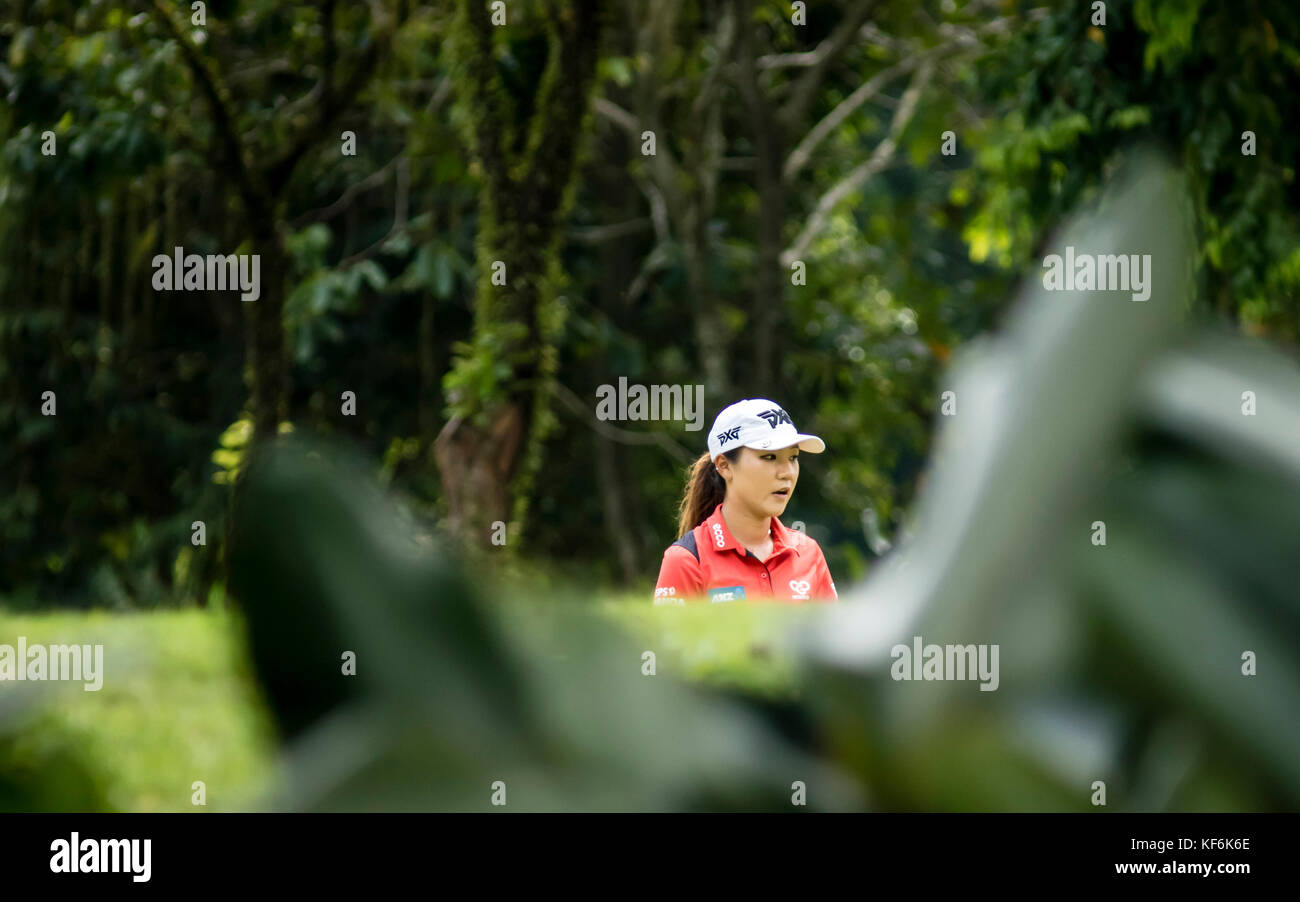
(732, 547)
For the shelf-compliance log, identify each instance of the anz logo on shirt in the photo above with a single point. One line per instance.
(726, 593)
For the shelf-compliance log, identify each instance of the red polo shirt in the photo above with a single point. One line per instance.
(795, 571)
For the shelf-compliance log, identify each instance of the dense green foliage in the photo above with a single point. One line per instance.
(222, 138)
(800, 233)
(1196, 76)
(182, 706)
(177, 706)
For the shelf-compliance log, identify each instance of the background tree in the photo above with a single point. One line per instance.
(657, 264)
(261, 167)
(1194, 76)
(526, 146)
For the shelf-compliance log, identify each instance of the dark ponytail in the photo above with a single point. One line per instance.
(705, 490)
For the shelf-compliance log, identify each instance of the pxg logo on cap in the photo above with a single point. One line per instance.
(760, 424)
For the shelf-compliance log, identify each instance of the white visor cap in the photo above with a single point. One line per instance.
(760, 424)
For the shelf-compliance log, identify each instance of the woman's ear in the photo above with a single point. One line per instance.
(723, 465)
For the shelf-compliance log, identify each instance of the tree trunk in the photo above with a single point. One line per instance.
(428, 410)
(769, 279)
(490, 451)
(86, 249)
(131, 269)
(267, 364)
(711, 338)
(477, 465)
(617, 524)
(107, 254)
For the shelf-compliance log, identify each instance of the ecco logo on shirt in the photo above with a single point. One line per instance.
(800, 589)
(718, 538)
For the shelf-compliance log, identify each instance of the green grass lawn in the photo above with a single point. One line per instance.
(179, 705)
(736, 645)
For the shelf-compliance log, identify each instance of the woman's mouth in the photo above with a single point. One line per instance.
(784, 493)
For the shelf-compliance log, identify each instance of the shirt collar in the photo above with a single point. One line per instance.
(716, 526)
(783, 538)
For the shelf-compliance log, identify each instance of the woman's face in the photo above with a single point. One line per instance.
(762, 481)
